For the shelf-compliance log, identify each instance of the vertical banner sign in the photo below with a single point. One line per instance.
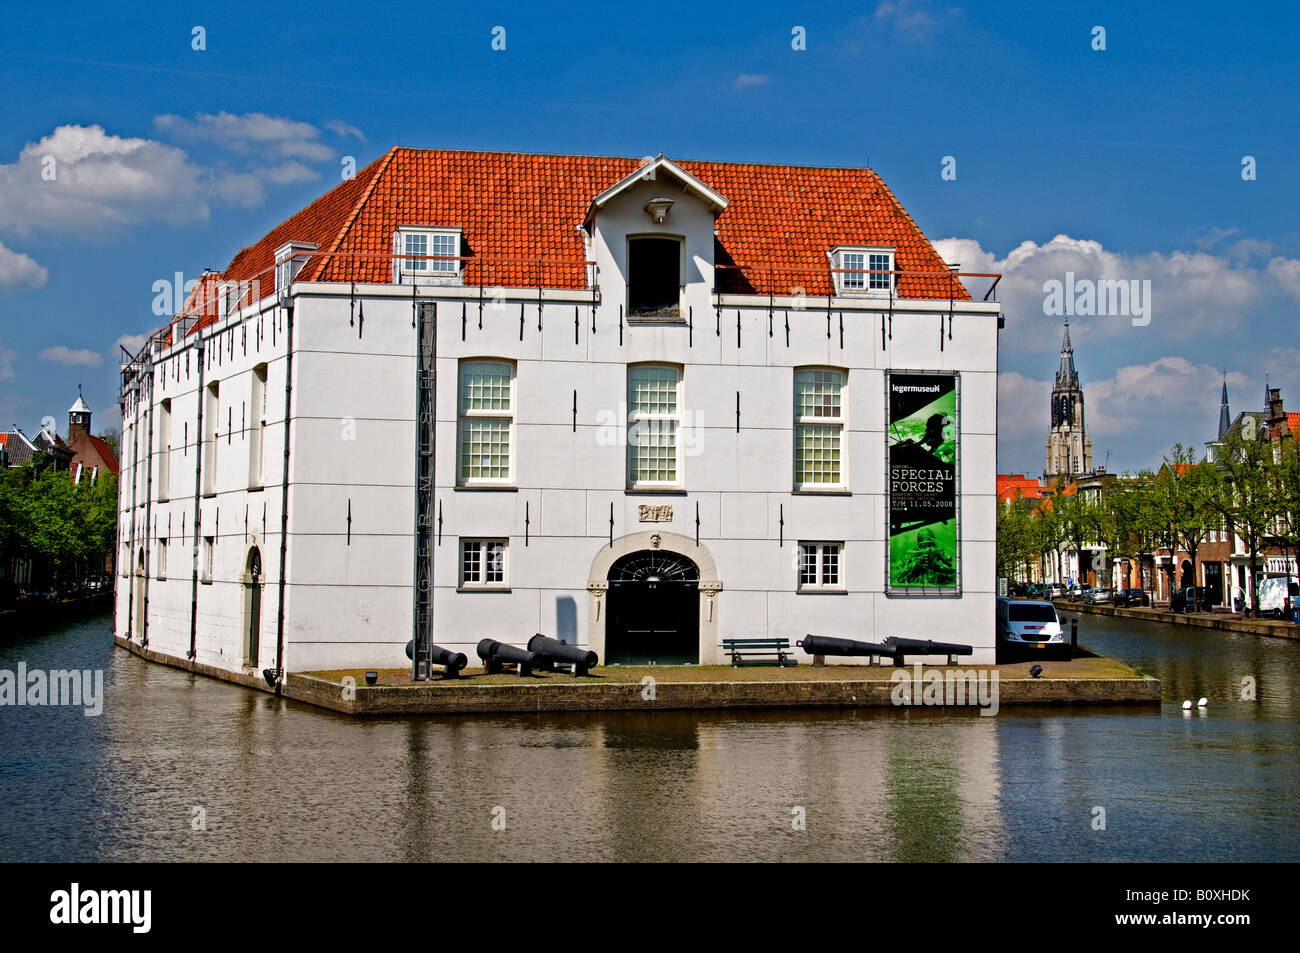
(922, 472)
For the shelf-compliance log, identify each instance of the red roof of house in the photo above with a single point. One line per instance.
(1013, 485)
(1293, 422)
(513, 208)
(105, 452)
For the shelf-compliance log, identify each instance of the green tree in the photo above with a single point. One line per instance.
(1245, 491)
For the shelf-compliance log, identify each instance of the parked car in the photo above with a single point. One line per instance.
(1130, 597)
(1277, 595)
(1075, 593)
(1183, 599)
(1099, 596)
(1054, 591)
(1023, 625)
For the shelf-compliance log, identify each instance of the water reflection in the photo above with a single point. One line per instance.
(277, 781)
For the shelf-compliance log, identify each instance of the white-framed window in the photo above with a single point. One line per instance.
(654, 413)
(819, 397)
(426, 256)
(821, 566)
(164, 449)
(483, 563)
(208, 555)
(862, 271)
(257, 436)
(162, 558)
(211, 412)
(289, 259)
(486, 426)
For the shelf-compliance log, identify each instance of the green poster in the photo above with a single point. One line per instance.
(922, 497)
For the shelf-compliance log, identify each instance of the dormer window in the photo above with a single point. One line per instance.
(427, 256)
(289, 259)
(654, 277)
(863, 271)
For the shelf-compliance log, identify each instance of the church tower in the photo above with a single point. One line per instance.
(1069, 451)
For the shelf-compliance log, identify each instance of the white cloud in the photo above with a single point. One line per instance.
(81, 177)
(345, 130)
(913, 20)
(82, 357)
(19, 270)
(248, 188)
(1286, 272)
(132, 342)
(250, 133)
(1191, 292)
(750, 80)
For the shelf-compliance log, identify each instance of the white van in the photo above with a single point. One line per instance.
(1277, 595)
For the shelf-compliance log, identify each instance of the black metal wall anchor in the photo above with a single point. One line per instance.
(480, 306)
(521, 320)
(527, 520)
(941, 332)
(611, 525)
(349, 522)
(463, 319)
(575, 411)
(539, 308)
(440, 522)
(414, 303)
(787, 329)
(717, 314)
(575, 324)
(620, 325)
(737, 328)
(697, 522)
(737, 411)
(690, 326)
(781, 524)
(352, 309)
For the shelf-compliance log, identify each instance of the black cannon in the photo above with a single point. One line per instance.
(554, 652)
(893, 647)
(451, 662)
(497, 654)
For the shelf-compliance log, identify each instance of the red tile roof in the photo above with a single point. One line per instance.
(1293, 423)
(105, 452)
(1013, 485)
(514, 208)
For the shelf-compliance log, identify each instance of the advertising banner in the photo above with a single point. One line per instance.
(922, 483)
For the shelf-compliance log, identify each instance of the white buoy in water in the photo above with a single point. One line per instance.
(1187, 705)
(1203, 703)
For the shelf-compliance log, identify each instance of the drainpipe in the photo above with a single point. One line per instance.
(148, 504)
(284, 493)
(135, 469)
(198, 500)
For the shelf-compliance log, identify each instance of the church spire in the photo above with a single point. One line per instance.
(1067, 375)
(1225, 416)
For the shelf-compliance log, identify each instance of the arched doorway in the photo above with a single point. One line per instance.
(139, 595)
(1188, 577)
(252, 606)
(654, 610)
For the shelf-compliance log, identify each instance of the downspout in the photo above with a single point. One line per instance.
(135, 470)
(198, 499)
(284, 493)
(148, 507)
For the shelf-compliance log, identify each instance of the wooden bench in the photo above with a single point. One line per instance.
(759, 651)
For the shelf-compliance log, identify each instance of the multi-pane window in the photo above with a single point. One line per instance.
(430, 253)
(653, 431)
(257, 436)
(209, 548)
(211, 410)
(819, 565)
(162, 558)
(865, 271)
(486, 420)
(482, 562)
(164, 449)
(818, 427)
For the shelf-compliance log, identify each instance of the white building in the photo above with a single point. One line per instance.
(652, 398)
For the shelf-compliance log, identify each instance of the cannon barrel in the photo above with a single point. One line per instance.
(553, 650)
(926, 647)
(453, 662)
(494, 653)
(825, 645)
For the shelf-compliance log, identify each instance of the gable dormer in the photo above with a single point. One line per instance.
(652, 237)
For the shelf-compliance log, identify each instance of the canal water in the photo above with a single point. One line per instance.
(180, 767)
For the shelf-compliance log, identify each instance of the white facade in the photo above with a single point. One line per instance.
(735, 511)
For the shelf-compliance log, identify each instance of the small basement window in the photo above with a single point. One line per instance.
(654, 277)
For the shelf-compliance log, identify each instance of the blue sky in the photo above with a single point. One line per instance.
(1117, 163)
